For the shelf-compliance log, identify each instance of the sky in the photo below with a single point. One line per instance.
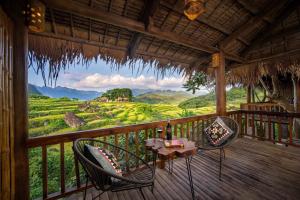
(101, 77)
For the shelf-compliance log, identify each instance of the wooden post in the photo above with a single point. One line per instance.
(297, 95)
(20, 50)
(248, 94)
(218, 62)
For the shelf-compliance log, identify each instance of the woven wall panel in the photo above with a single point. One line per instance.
(6, 109)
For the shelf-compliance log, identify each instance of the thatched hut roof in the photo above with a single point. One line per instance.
(252, 33)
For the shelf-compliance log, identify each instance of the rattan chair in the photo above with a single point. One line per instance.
(203, 143)
(103, 180)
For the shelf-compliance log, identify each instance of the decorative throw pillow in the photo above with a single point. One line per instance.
(105, 159)
(218, 132)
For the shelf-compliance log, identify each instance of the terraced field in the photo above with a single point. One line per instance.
(46, 116)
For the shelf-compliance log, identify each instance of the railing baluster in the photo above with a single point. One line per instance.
(116, 143)
(146, 152)
(175, 130)
(261, 131)
(181, 130)
(279, 130)
(154, 133)
(253, 125)
(126, 148)
(269, 128)
(291, 130)
(77, 174)
(246, 124)
(137, 152)
(62, 167)
(193, 131)
(198, 131)
(188, 130)
(45, 171)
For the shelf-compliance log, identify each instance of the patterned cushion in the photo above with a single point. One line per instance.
(105, 159)
(218, 132)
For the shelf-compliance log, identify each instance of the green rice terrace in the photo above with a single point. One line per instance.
(47, 117)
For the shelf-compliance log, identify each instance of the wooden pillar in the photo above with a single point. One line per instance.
(297, 95)
(249, 93)
(20, 51)
(218, 63)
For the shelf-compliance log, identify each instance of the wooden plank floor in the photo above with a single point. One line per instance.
(252, 170)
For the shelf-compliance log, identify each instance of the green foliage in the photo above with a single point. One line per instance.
(186, 113)
(167, 97)
(196, 81)
(234, 96)
(65, 98)
(38, 96)
(114, 94)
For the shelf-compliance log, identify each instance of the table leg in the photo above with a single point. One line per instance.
(154, 156)
(170, 166)
(188, 161)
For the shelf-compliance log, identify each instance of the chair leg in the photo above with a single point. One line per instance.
(86, 184)
(152, 187)
(223, 153)
(142, 193)
(220, 171)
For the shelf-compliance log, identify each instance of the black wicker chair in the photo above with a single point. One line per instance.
(103, 180)
(203, 143)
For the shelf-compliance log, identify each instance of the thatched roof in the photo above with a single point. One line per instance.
(252, 33)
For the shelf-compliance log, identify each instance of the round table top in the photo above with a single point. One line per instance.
(157, 145)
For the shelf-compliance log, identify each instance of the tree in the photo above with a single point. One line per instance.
(114, 94)
(197, 80)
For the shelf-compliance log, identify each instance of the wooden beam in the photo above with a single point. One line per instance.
(248, 5)
(132, 25)
(53, 21)
(290, 6)
(72, 25)
(134, 43)
(149, 10)
(151, 6)
(250, 24)
(218, 62)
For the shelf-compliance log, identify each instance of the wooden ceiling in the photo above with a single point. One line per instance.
(246, 30)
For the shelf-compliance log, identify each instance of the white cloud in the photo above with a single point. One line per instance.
(103, 82)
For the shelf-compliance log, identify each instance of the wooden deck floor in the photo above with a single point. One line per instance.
(252, 170)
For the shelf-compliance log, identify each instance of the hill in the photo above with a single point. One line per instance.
(32, 90)
(234, 96)
(163, 96)
(137, 91)
(58, 92)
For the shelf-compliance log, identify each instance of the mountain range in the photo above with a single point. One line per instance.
(142, 95)
(58, 92)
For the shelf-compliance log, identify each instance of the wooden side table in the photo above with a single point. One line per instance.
(188, 150)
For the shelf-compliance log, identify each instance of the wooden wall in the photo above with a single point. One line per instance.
(6, 109)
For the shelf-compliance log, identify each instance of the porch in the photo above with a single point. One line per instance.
(252, 170)
(234, 42)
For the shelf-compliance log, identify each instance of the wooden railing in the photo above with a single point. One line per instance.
(272, 107)
(128, 134)
(276, 127)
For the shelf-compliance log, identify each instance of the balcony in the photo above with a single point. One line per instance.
(259, 165)
(248, 43)
(265, 172)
